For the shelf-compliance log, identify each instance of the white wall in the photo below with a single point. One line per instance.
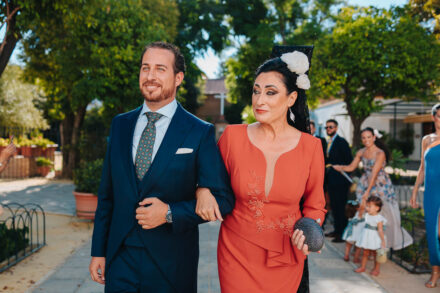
(380, 122)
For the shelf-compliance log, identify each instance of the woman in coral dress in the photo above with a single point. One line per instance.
(274, 169)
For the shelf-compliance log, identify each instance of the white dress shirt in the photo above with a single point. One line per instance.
(161, 126)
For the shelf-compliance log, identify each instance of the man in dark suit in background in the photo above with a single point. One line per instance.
(338, 153)
(146, 236)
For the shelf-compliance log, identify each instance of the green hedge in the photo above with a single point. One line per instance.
(12, 241)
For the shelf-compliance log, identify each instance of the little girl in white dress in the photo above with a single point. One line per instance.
(353, 230)
(372, 236)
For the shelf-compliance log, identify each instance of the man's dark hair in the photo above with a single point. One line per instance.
(332, 121)
(179, 60)
(312, 122)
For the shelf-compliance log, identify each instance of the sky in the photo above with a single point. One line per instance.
(210, 61)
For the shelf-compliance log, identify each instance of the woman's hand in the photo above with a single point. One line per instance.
(337, 167)
(207, 207)
(413, 201)
(298, 239)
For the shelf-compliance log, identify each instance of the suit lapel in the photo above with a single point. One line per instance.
(128, 145)
(176, 133)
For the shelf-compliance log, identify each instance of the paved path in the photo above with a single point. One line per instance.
(52, 196)
(328, 272)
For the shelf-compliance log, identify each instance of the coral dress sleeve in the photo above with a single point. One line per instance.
(314, 200)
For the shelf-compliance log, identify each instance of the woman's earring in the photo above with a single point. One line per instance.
(292, 116)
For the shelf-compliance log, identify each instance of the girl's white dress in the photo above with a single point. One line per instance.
(354, 229)
(370, 238)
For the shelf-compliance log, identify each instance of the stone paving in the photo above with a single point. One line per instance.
(52, 196)
(328, 272)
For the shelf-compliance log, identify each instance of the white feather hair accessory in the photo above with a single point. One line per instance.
(377, 133)
(298, 63)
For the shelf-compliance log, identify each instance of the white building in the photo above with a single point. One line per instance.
(394, 116)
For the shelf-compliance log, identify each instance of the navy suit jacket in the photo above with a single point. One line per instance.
(339, 154)
(173, 178)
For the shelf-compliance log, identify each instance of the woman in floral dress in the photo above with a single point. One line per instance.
(375, 181)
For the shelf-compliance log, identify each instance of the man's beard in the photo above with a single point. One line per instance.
(165, 94)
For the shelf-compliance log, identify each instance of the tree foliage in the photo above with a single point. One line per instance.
(17, 16)
(427, 11)
(375, 53)
(91, 51)
(18, 101)
(259, 25)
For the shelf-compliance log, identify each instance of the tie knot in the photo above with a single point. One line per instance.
(153, 116)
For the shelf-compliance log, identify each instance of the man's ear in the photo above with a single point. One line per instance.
(179, 78)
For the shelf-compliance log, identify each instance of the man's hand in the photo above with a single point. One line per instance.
(207, 207)
(152, 216)
(97, 269)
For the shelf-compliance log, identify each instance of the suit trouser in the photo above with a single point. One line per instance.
(338, 198)
(132, 270)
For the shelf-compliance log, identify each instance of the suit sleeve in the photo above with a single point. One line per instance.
(348, 157)
(105, 206)
(314, 201)
(211, 173)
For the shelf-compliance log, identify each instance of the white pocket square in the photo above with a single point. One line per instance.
(184, 151)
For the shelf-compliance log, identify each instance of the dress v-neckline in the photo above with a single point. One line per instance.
(267, 194)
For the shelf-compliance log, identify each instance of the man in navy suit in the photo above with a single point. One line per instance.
(146, 230)
(338, 153)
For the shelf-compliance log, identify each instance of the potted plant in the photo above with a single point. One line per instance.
(44, 165)
(86, 179)
(25, 146)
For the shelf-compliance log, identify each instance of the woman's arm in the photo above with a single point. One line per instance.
(420, 174)
(381, 235)
(353, 165)
(380, 159)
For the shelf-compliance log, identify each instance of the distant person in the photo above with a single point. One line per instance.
(372, 235)
(146, 236)
(429, 172)
(6, 155)
(375, 181)
(313, 132)
(338, 153)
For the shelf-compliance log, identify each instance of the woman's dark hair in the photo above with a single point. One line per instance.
(379, 143)
(300, 108)
(435, 108)
(351, 208)
(376, 201)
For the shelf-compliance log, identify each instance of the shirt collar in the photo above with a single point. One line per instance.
(167, 110)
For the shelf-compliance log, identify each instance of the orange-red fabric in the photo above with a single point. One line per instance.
(254, 249)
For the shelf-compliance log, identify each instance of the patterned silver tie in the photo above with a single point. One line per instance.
(144, 153)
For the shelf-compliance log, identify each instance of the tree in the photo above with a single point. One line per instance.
(375, 53)
(91, 52)
(16, 16)
(427, 10)
(201, 26)
(263, 24)
(18, 101)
